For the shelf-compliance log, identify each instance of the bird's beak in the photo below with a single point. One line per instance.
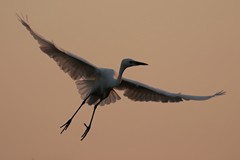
(140, 63)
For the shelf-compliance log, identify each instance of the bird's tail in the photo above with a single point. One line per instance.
(84, 87)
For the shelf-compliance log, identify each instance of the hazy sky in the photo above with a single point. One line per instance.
(191, 47)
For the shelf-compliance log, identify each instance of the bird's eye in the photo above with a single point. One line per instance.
(131, 62)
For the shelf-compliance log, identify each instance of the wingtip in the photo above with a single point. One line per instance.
(18, 17)
(222, 92)
(23, 19)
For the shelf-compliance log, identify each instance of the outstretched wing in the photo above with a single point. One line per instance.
(75, 66)
(137, 91)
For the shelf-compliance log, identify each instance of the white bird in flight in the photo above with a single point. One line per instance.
(97, 85)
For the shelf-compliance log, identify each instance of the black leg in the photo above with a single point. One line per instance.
(66, 125)
(89, 126)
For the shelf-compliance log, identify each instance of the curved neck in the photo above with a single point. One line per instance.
(121, 70)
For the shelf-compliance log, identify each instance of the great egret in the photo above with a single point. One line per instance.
(97, 85)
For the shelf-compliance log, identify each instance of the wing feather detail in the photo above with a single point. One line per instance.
(76, 67)
(137, 91)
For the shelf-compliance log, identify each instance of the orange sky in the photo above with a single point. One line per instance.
(191, 47)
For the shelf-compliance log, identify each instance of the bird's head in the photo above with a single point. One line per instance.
(130, 62)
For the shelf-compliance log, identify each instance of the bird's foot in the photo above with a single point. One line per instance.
(66, 125)
(86, 131)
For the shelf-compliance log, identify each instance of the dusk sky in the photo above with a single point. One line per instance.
(191, 46)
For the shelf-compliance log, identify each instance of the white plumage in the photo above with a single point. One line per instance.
(97, 85)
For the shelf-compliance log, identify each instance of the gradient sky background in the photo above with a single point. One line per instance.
(191, 47)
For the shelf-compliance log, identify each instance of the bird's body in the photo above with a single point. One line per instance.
(97, 85)
(101, 86)
(106, 78)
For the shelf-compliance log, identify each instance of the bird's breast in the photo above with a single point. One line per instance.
(106, 78)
